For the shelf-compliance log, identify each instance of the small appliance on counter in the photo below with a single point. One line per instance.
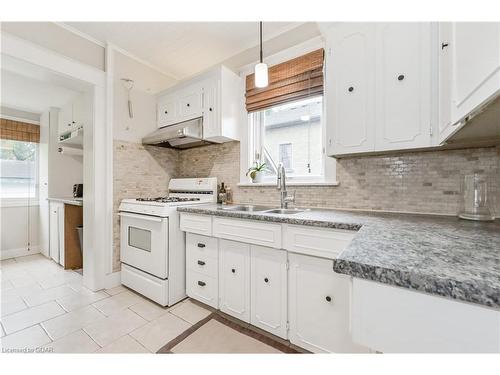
(78, 191)
(476, 204)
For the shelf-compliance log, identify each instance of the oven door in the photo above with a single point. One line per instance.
(144, 243)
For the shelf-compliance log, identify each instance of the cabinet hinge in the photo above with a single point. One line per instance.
(287, 265)
(287, 325)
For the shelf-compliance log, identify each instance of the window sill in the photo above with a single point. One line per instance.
(290, 183)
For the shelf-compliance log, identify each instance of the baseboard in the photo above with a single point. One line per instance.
(20, 252)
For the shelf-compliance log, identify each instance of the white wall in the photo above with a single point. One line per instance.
(147, 82)
(15, 234)
(58, 39)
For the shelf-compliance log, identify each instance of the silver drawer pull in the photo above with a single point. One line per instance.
(201, 283)
(201, 263)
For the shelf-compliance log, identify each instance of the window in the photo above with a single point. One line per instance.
(18, 169)
(291, 134)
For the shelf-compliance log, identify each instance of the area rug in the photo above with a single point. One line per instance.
(216, 334)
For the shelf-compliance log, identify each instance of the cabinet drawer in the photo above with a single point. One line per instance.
(201, 254)
(200, 224)
(202, 288)
(201, 246)
(266, 234)
(321, 242)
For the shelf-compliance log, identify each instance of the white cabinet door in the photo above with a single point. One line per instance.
(60, 226)
(403, 84)
(166, 111)
(446, 127)
(349, 89)
(211, 114)
(475, 47)
(54, 232)
(234, 279)
(268, 289)
(66, 118)
(319, 307)
(78, 112)
(190, 103)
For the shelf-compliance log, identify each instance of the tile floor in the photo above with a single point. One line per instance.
(45, 309)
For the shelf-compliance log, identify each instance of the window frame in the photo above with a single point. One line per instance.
(254, 152)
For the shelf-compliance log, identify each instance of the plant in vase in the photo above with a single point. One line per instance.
(255, 172)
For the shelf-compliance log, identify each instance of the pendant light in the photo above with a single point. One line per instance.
(261, 76)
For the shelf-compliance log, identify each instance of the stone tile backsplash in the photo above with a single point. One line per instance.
(420, 182)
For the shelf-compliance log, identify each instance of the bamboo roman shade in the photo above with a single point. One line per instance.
(289, 81)
(19, 131)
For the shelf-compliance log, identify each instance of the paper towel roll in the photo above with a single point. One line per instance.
(71, 151)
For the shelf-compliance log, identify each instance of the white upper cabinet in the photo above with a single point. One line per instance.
(403, 84)
(349, 90)
(378, 87)
(216, 95)
(469, 68)
(74, 114)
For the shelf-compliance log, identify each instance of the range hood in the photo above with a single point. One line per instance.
(183, 135)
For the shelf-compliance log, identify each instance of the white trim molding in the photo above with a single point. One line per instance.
(19, 252)
(98, 173)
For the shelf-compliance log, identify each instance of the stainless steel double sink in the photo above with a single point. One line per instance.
(264, 209)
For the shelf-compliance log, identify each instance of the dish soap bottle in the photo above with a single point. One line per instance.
(222, 194)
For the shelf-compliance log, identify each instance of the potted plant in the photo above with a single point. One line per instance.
(255, 172)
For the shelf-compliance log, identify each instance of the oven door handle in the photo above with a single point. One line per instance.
(142, 217)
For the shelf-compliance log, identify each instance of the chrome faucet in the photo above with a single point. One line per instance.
(281, 186)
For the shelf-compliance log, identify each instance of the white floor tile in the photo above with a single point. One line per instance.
(31, 316)
(47, 295)
(59, 279)
(160, 331)
(125, 344)
(21, 292)
(116, 290)
(11, 305)
(30, 258)
(83, 298)
(76, 342)
(149, 310)
(23, 281)
(107, 330)
(30, 338)
(190, 311)
(113, 305)
(6, 285)
(2, 332)
(6, 262)
(65, 324)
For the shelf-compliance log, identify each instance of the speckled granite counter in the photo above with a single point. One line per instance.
(444, 256)
(73, 201)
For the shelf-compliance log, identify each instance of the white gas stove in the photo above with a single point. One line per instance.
(152, 246)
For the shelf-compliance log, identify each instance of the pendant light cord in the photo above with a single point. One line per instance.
(260, 26)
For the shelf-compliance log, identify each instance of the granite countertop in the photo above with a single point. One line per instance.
(68, 200)
(439, 255)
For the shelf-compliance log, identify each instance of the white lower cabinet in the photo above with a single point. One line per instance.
(268, 289)
(234, 279)
(319, 306)
(56, 232)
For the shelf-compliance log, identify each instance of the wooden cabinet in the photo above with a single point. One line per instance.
(378, 87)
(350, 89)
(469, 69)
(403, 86)
(268, 290)
(215, 95)
(64, 243)
(234, 279)
(319, 306)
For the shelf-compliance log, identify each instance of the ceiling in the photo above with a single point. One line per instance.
(181, 49)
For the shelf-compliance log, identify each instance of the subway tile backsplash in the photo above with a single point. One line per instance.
(420, 182)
